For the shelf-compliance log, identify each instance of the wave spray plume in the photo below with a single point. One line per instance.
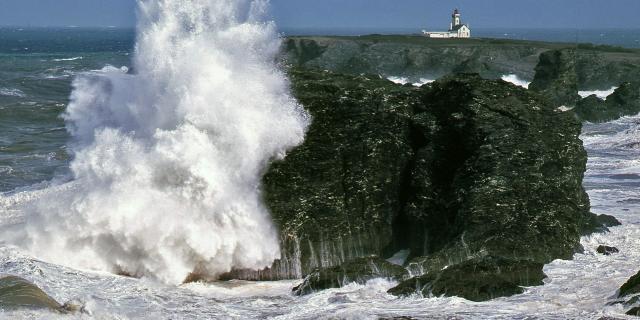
(168, 161)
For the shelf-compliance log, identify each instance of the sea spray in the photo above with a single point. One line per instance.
(168, 159)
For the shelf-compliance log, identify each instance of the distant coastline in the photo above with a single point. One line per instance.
(628, 38)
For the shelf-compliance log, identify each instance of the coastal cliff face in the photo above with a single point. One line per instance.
(416, 57)
(465, 172)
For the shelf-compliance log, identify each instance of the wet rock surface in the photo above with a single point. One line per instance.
(629, 295)
(358, 270)
(455, 172)
(557, 78)
(418, 57)
(624, 101)
(607, 250)
(477, 279)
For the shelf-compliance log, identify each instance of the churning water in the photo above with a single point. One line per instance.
(168, 147)
(168, 161)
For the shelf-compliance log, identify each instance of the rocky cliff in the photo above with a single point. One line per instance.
(465, 173)
(624, 101)
(415, 57)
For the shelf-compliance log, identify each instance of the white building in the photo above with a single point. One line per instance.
(456, 30)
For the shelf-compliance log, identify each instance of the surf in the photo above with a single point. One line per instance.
(167, 160)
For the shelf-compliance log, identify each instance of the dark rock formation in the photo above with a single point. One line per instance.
(335, 197)
(625, 101)
(599, 223)
(607, 250)
(358, 270)
(628, 295)
(632, 286)
(635, 311)
(418, 57)
(18, 293)
(477, 279)
(556, 77)
(462, 172)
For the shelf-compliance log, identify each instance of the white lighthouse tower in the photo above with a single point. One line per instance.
(455, 19)
(456, 29)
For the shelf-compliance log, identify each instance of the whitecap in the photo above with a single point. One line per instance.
(513, 78)
(68, 59)
(602, 94)
(406, 80)
(12, 92)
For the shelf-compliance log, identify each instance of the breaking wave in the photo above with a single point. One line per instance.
(512, 78)
(168, 161)
(602, 94)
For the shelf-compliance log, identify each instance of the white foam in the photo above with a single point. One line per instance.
(512, 78)
(68, 59)
(12, 92)
(405, 80)
(602, 94)
(168, 162)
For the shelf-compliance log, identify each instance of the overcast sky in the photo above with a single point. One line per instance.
(354, 13)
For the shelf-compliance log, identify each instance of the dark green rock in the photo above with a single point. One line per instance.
(635, 311)
(335, 197)
(499, 171)
(18, 293)
(591, 109)
(455, 171)
(416, 57)
(477, 279)
(599, 223)
(556, 77)
(607, 250)
(358, 270)
(632, 286)
(624, 101)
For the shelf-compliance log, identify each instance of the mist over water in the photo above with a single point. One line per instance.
(168, 159)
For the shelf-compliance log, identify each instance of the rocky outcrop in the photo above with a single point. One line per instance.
(477, 279)
(624, 101)
(629, 295)
(335, 197)
(499, 174)
(607, 250)
(358, 270)
(465, 173)
(418, 57)
(557, 78)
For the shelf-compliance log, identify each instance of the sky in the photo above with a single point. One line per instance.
(328, 14)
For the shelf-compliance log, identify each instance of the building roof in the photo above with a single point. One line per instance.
(458, 27)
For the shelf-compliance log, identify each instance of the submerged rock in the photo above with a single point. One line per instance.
(557, 78)
(18, 293)
(358, 270)
(477, 279)
(624, 101)
(606, 250)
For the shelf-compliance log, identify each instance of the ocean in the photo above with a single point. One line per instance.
(47, 139)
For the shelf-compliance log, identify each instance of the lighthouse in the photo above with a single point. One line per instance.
(456, 29)
(455, 19)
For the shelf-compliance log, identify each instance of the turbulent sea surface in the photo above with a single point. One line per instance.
(37, 67)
